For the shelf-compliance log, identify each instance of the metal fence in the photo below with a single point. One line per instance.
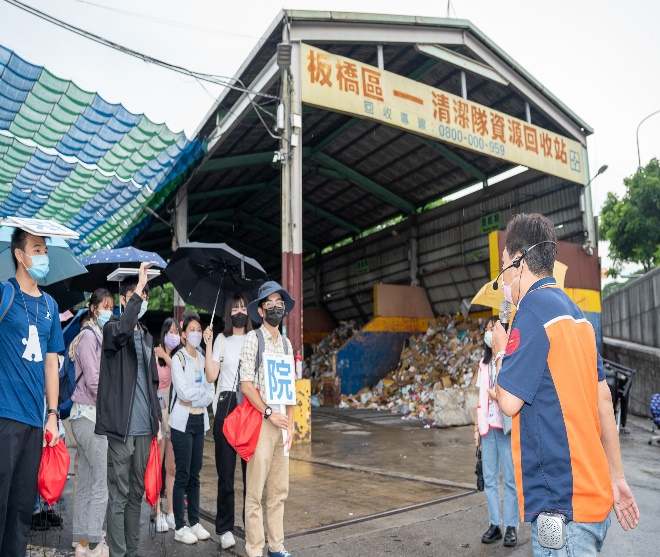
(631, 313)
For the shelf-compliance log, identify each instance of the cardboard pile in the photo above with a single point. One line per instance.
(445, 357)
(319, 366)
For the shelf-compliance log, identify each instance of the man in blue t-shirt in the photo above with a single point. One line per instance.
(31, 338)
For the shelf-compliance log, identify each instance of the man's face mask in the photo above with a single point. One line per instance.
(274, 316)
(40, 266)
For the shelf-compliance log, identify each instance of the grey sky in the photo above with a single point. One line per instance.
(597, 56)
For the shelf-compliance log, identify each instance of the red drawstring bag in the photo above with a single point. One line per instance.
(153, 480)
(242, 428)
(53, 470)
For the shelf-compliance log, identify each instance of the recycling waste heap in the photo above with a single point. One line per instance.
(439, 365)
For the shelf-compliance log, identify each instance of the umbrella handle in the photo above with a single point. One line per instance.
(216, 300)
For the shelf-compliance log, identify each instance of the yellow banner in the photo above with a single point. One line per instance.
(349, 86)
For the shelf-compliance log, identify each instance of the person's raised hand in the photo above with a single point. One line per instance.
(142, 277)
(625, 507)
(160, 352)
(208, 335)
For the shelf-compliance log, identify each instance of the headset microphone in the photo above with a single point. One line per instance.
(516, 262)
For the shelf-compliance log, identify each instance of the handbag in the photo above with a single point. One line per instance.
(242, 428)
(153, 479)
(243, 425)
(53, 470)
(479, 471)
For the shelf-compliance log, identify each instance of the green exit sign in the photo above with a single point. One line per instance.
(363, 266)
(490, 222)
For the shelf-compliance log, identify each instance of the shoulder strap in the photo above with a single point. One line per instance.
(222, 344)
(7, 299)
(172, 390)
(261, 346)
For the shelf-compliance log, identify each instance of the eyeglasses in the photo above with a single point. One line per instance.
(271, 305)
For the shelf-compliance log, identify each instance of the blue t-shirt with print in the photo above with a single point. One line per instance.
(29, 330)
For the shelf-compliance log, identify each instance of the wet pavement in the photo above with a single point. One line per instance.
(373, 484)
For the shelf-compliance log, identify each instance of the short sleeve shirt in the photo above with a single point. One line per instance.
(230, 359)
(249, 357)
(29, 330)
(552, 364)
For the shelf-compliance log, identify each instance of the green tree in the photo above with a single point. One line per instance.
(632, 223)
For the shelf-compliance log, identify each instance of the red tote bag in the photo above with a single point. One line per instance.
(53, 470)
(153, 479)
(242, 428)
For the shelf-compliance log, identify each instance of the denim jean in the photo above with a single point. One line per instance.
(496, 455)
(583, 539)
(188, 454)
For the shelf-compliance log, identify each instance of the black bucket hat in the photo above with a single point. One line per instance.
(265, 290)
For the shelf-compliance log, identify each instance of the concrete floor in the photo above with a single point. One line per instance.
(372, 484)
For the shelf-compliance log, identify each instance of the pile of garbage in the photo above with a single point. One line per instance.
(445, 357)
(318, 366)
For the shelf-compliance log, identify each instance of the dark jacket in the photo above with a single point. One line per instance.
(118, 377)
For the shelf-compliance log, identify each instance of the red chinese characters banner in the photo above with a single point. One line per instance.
(351, 87)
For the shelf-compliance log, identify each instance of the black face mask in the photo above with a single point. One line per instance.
(239, 320)
(274, 316)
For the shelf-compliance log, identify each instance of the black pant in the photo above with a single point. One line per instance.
(225, 464)
(20, 455)
(188, 454)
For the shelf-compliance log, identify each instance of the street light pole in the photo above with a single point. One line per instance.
(639, 158)
(588, 213)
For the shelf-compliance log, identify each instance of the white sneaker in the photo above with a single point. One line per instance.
(171, 522)
(227, 540)
(185, 535)
(80, 550)
(199, 531)
(161, 523)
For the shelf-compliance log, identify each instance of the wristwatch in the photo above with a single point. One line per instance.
(267, 412)
(54, 411)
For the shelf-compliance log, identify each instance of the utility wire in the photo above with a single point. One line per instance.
(211, 78)
(170, 22)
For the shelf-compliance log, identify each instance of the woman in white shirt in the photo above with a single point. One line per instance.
(224, 362)
(189, 421)
(493, 429)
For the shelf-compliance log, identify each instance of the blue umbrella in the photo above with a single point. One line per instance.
(62, 262)
(103, 262)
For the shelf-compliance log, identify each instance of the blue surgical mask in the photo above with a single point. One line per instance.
(143, 308)
(104, 317)
(39, 267)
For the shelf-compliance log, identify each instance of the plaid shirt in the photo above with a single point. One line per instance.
(249, 357)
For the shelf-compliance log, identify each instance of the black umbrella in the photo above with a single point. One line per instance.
(65, 298)
(205, 275)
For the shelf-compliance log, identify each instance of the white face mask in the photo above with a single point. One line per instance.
(194, 339)
(488, 338)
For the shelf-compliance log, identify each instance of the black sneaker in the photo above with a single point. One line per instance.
(40, 522)
(54, 518)
(510, 537)
(493, 534)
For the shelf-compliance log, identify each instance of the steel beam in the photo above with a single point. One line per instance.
(229, 191)
(238, 161)
(364, 183)
(332, 218)
(453, 157)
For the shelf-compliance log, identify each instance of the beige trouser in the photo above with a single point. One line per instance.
(268, 468)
